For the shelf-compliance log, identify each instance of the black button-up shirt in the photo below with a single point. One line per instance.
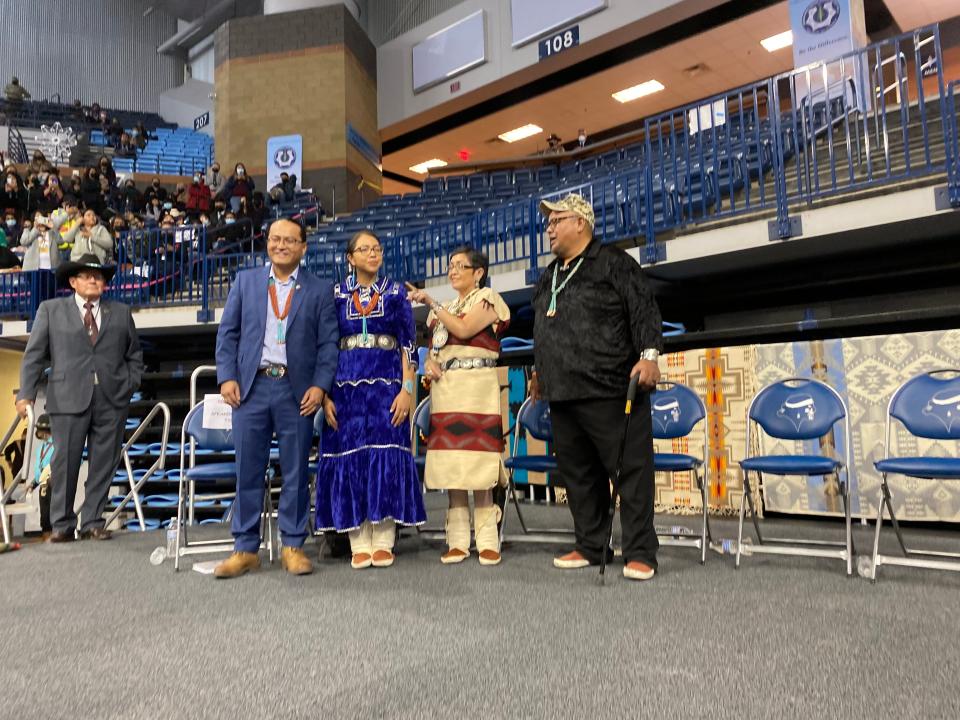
(606, 316)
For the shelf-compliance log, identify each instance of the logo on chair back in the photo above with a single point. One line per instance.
(798, 409)
(820, 16)
(665, 411)
(945, 407)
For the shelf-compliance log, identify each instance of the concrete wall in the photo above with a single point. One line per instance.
(310, 73)
(397, 100)
(183, 104)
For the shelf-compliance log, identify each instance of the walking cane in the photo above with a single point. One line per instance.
(631, 394)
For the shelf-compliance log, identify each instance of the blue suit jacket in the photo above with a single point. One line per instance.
(312, 332)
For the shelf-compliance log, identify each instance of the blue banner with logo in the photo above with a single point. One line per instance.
(825, 29)
(284, 155)
(823, 32)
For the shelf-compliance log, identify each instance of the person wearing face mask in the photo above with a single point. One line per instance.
(90, 192)
(132, 202)
(106, 170)
(155, 191)
(154, 211)
(198, 196)
(52, 196)
(11, 227)
(41, 245)
(215, 180)
(14, 193)
(8, 259)
(90, 237)
(238, 186)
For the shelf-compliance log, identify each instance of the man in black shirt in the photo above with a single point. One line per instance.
(596, 325)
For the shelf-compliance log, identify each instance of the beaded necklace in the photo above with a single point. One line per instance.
(275, 306)
(440, 333)
(364, 310)
(554, 290)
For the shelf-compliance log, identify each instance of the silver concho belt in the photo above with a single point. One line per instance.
(357, 342)
(469, 363)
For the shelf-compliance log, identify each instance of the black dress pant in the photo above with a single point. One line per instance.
(586, 437)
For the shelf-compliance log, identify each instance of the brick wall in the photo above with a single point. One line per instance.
(309, 73)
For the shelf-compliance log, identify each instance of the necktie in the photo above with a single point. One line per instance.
(90, 323)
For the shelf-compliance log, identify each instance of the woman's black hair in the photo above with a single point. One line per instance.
(477, 260)
(352, 245)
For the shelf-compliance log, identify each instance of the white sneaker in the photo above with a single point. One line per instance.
(571, 561)
(636, 570)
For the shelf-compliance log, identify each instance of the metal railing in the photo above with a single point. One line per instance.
(953, 145)
(782, 142)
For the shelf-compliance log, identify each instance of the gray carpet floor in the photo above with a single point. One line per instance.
(93, 630)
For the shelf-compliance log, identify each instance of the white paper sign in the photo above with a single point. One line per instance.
(217, 415)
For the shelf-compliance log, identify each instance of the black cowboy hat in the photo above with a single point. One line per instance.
(89, 261)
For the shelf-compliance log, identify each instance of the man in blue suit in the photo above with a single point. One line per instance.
(276, 359)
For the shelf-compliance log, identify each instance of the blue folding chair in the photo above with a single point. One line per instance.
(927, 406)
(533, 417)
(796, 409)
(211, 474)
(676, 410)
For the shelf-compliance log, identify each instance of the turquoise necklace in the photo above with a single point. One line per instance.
(554, 290)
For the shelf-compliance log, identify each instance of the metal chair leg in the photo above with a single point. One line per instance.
(845, 494)
(876, 531)
(743, 507)
(704, 534)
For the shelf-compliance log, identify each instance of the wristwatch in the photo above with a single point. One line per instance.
(408, 386)
(651, 354)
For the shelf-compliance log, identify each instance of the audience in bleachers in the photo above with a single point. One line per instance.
(198, 195)
(15, 92)
(90, 237)
(41, 244)
(237, 186)
(215, 180)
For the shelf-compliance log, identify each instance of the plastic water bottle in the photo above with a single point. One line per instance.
(728, 546)
(172, 538)
(865, 567)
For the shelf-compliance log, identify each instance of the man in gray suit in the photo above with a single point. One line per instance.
(93, 352)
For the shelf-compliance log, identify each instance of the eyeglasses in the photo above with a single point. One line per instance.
(283, 241)
(368, 250)
(553, 222)
(89, 276)
(459, 267)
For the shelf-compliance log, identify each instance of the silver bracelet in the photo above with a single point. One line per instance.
(650, 354)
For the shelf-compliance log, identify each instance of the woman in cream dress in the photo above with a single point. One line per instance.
(466, 435)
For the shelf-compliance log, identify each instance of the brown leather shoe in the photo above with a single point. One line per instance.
(382, 558)
(489, 557)
(237, 564)
(61, 537)
(295, 561)
(98, 533)
(454, 555)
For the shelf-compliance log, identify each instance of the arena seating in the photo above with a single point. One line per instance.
(176, 151)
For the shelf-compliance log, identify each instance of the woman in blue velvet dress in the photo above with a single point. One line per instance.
(367, 481)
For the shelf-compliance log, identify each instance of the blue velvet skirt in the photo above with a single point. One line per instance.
(366, 469)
